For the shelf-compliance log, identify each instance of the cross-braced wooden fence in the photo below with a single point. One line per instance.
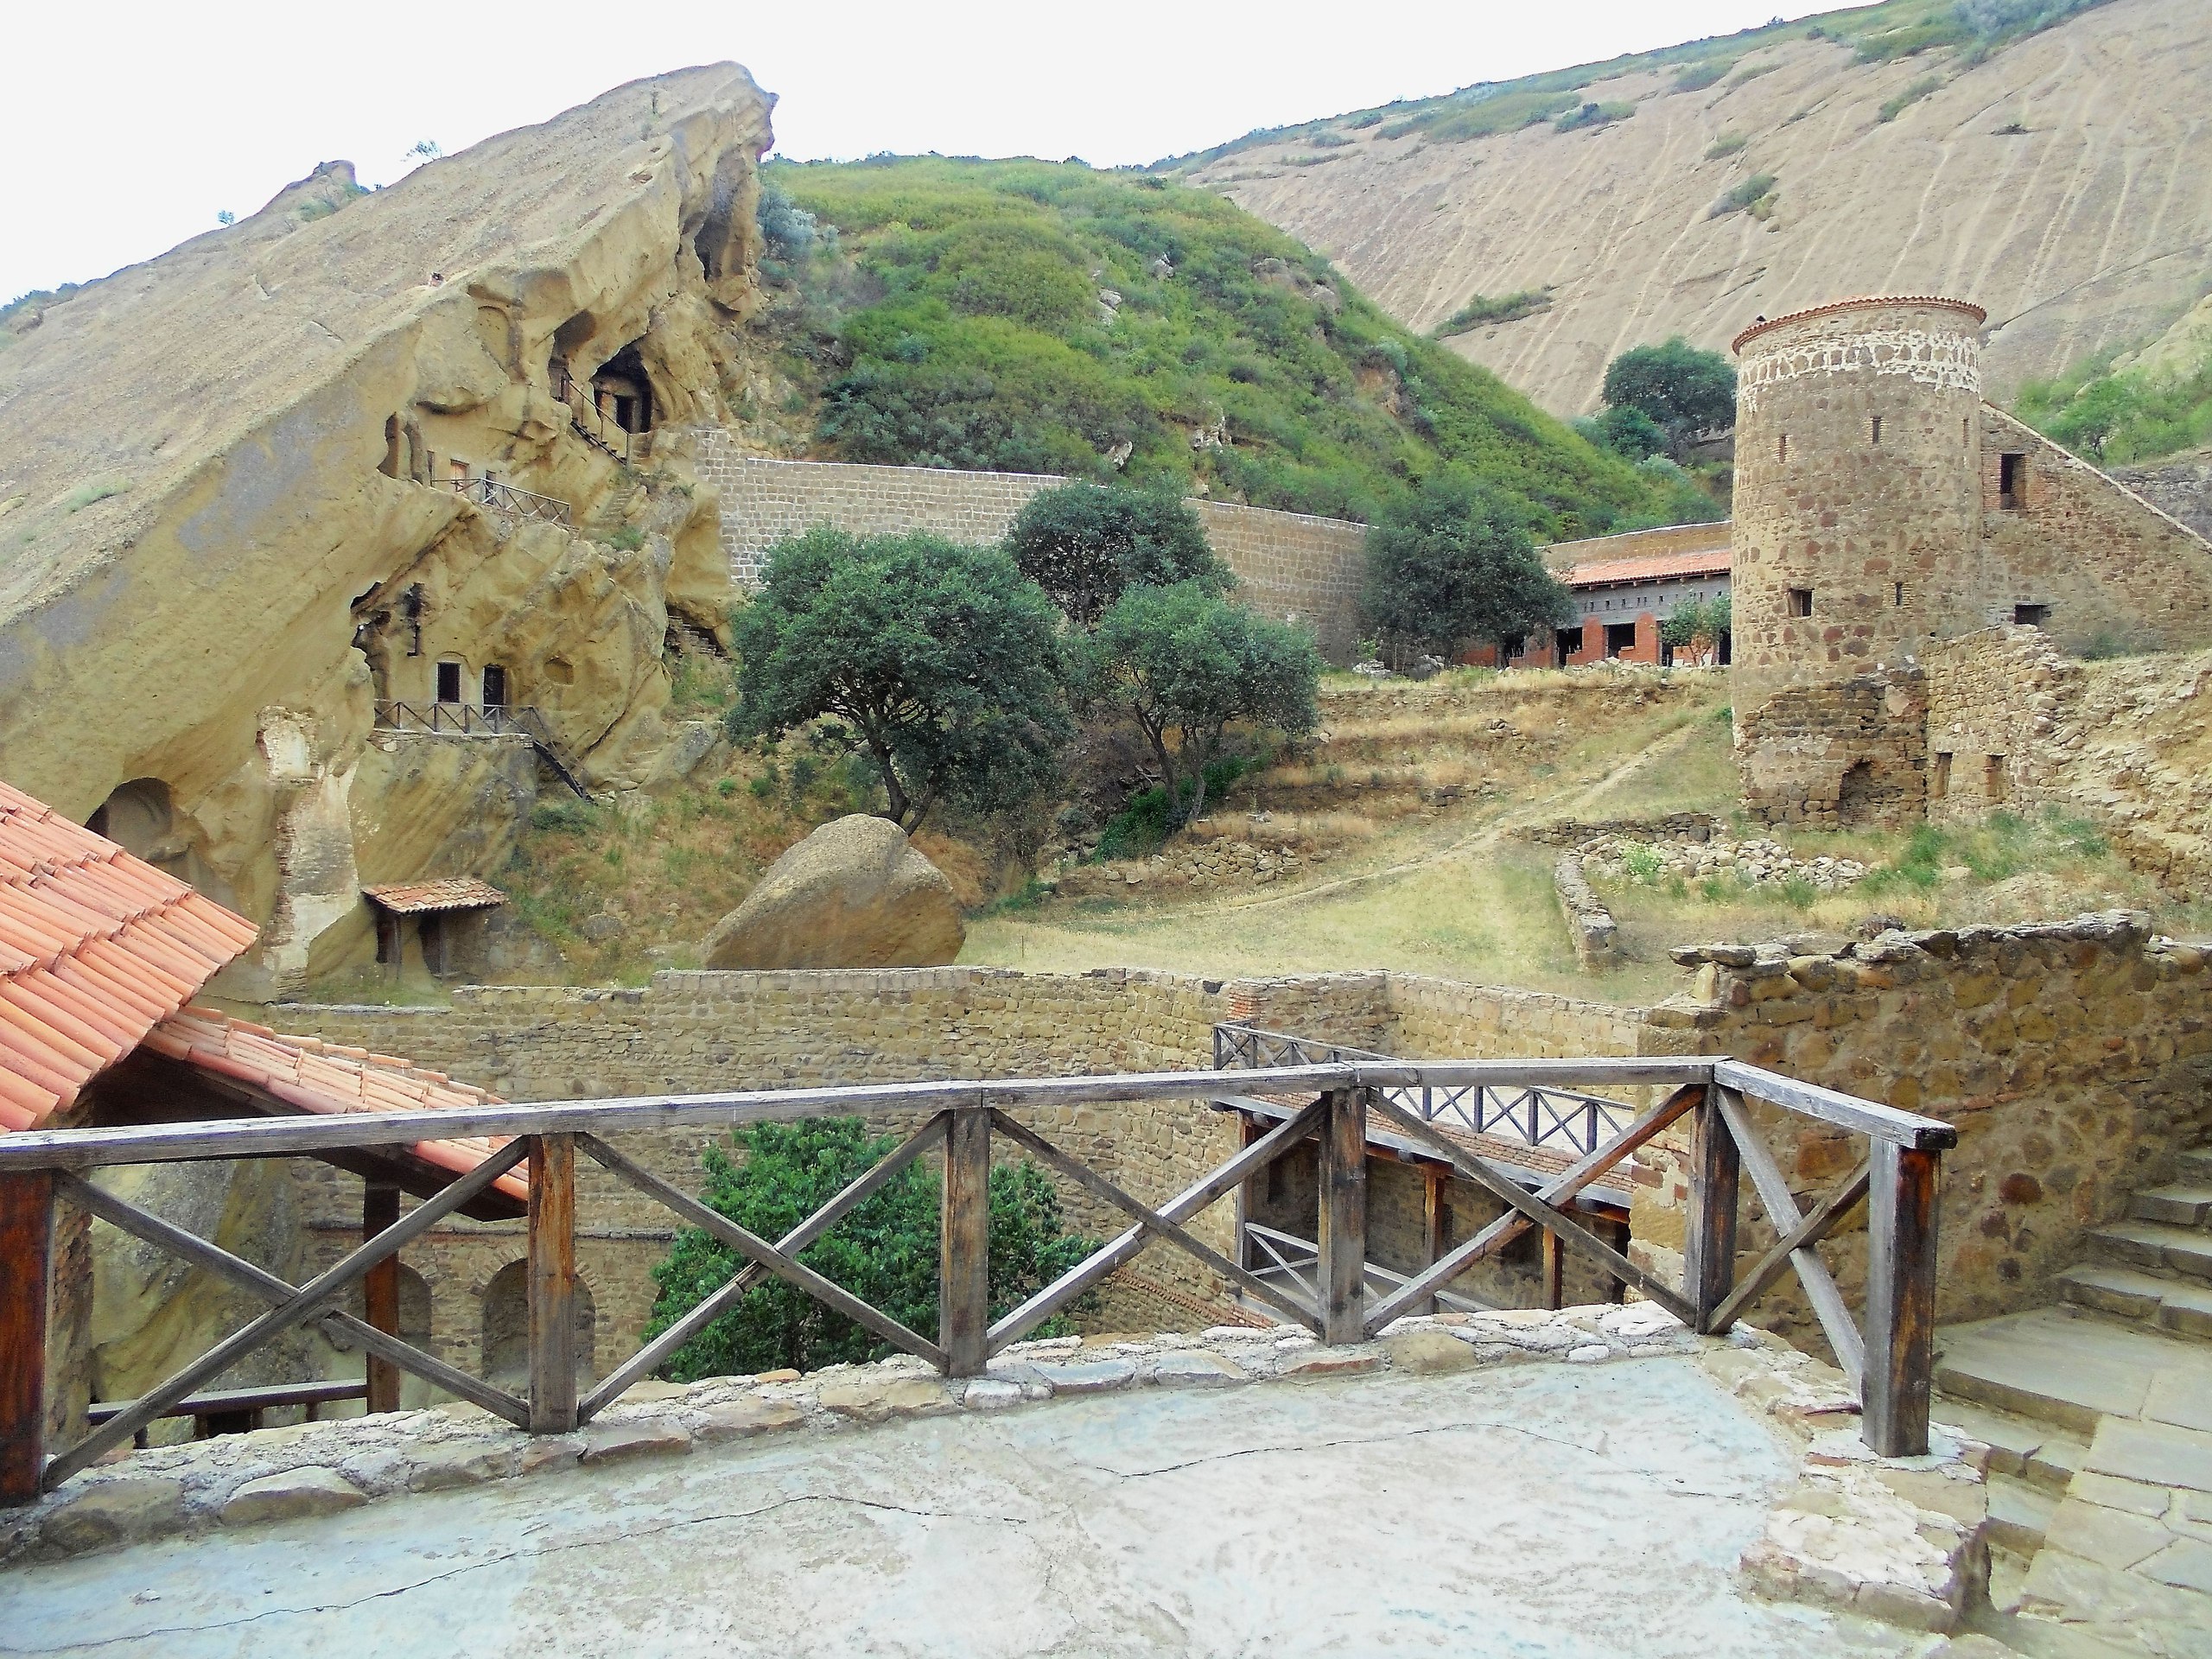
(1894, 1356)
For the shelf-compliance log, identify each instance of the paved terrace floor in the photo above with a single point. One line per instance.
(1551, 1510)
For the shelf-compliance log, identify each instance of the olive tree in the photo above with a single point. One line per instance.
(1449, 562)
(1085, 543)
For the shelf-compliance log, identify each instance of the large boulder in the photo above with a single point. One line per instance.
(854, 893)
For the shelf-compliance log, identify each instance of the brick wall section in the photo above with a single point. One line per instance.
(1288, 564)
(1996, 701)
(2115, 571)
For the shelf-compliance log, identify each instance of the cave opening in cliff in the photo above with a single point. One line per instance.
(622, 392)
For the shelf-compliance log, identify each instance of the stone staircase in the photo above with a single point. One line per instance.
(2098, 1411)
(614, 511)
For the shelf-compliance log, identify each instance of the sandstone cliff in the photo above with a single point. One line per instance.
(225, 529)
(2065, 183)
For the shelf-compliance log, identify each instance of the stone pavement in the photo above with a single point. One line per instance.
(2126, 1555)
(1568, 1509)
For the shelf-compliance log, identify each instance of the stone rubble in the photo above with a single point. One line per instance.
(1897, 1539)
(1757, 862)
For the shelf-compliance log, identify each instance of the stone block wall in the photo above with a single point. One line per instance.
(2113, 571)
(1288, 565)
(1997, 703)
(1835, 753)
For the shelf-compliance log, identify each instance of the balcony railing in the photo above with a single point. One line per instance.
(512, 503)
(483, 720)
(1892, 1360)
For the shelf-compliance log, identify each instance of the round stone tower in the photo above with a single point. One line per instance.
(1856, 531)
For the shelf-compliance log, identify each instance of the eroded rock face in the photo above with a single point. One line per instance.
(855, 894)
(232, 529)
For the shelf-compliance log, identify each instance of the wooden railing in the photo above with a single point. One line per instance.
(507, 500)
(482, 720)
(38, 1168)
(1534, 1116)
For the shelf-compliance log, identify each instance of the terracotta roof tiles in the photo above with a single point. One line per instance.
(1652, 567)
(451, 893)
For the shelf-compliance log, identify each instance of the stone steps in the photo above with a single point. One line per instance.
(2155, 1245)
(2182, 1306)
(2063, 1366)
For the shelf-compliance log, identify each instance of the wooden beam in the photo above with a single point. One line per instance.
(1771, 1266)
(1900, 1300)
(218, 1400)
(1554, 1273)
(1538, 1210)
(1342, 1273)
(964, 1296)
(552, 1284)
(710, 1308)
(269, 1288)
(1510, 1225)
(1864, 1117)
(380, 1294)
(1180, 1208)
(1153, 1220)
(311, 1299)
(1248, 1131)
(753, 1246)
(1829, 1305)
(26, 1271)
(1709, 1248)
(1435, 1190)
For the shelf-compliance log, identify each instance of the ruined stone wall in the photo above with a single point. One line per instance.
(1288, 565)
(2074, 1058)
(1998, 702)
(1835, 752)
(2113, 571)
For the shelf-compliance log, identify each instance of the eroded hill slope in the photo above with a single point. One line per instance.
(2064, 182)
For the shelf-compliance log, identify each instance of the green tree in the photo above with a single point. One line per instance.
(1697, 619)
(941, 662)
(1627, 431)
(1181, 662)
(1084, 544)
(1684, 391)
(1448, 564)
(884, 1251)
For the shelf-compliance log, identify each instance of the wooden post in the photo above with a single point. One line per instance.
(26, 1262)
(1342, 1270)
(1709, 1251)
(963, 1314)
(552, 1284)
(1900, 1300)
(380, 1293)
(1436, 1183)
(1555, 1261)
(1617, 1289)
(1248, 1131)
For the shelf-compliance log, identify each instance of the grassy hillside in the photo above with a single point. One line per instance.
(1970, 30)
(1048, 317)
(2140, 405)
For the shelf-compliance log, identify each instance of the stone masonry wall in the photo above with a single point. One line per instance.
(1288, 565)
(1997, 703)
(2074, 1058)
(1837, 751)
(2115, 571)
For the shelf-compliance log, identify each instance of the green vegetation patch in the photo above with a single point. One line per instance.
(1593, 115)
(2117, 416)
(1726, 144)
(1029, 317)
(1755, 196)
(1896, 106)
(1499, 308)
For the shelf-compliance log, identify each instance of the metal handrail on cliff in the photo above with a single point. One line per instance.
(482, 720)
(505, 499)
(589, 424)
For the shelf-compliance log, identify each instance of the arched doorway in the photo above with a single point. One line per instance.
(507, 1329)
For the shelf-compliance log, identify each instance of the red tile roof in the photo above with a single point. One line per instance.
(96, 948)
(451, 893)
(1653, 567)
(318, 1076)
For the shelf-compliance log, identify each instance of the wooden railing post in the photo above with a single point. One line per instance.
(26, 1267)
(552, 1284)
(1341, 1273)
(1709, 1249)
(1900, 1299)
(963, 1312)
(380, 1290)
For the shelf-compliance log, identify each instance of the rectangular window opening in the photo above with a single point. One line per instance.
(1782, 448)
(2012, 482)
(449, 682)
(1620, 638)
(1878, 429)
(495, 686)
(1993, 777)
(1567, 643)
(1800, 602)
(1899, 600)
(2031, 616)
(1939, 786)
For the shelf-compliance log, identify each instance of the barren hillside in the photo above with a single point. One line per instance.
(2065, 182)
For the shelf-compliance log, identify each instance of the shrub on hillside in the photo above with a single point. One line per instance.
(1503, 308)
(939, 663)
(1084, 544)
(886, 1250)
(1683, 390)
(1184, 664)
(1448, 564)
(1627, 431)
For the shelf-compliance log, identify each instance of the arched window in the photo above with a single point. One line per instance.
(506, 1328)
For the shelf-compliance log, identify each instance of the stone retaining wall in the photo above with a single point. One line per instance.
(1289, 565)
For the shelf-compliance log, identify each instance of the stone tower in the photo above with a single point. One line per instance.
(1858, 501)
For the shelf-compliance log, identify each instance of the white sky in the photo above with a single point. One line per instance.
(127, 125)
